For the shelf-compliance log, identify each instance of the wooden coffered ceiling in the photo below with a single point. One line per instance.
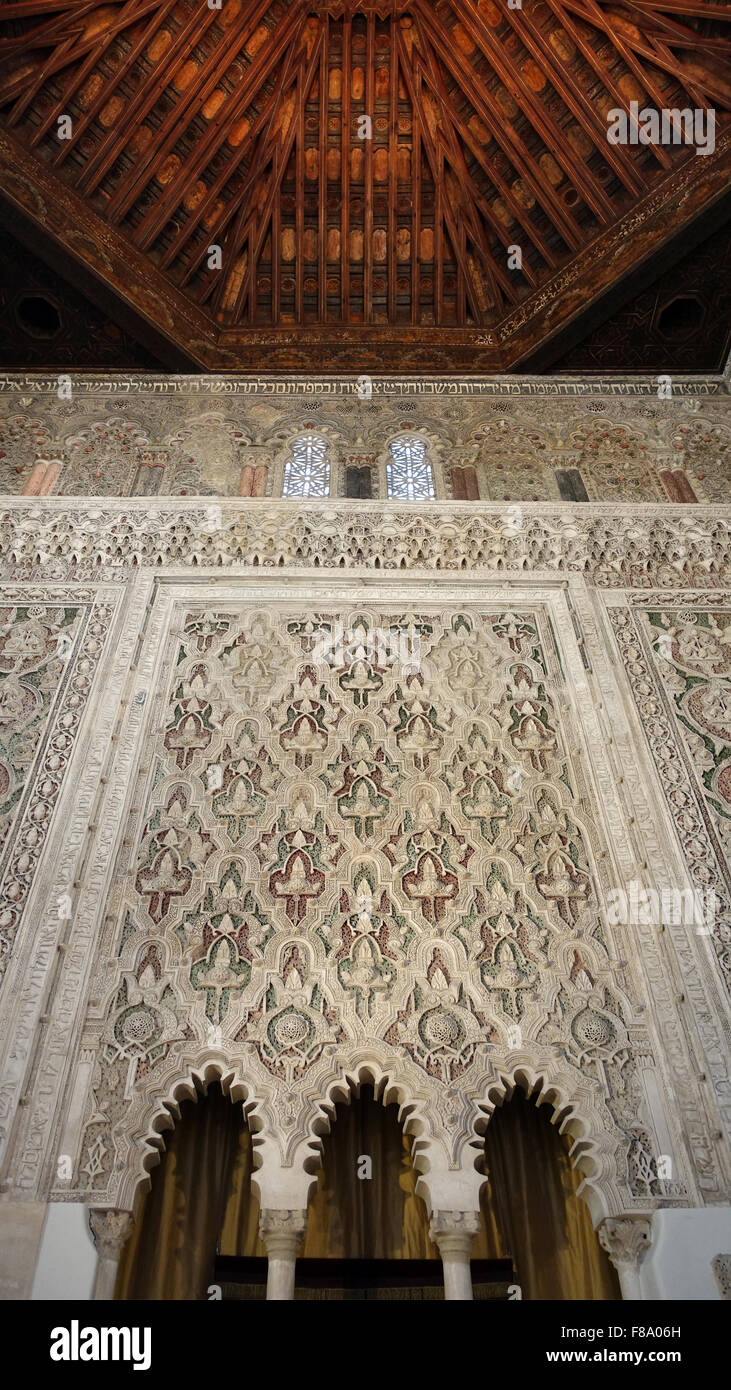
(191, 128)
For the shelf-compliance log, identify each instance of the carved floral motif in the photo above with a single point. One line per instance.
(319, 864)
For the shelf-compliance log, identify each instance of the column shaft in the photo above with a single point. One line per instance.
(282, 1232)
(454, 1233)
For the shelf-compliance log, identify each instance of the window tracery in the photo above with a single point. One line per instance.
(408, 475)
(307, 470)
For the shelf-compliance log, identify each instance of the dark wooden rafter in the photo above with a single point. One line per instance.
(594, 15)
(455, 137)
(509, 139)
(191, 100)
(163, 73)
(621, 102)
(537, 110)
(416, 217)
(324, 82)
(537, 45)
(345, 173)
(656, 36)
(42, 7)
(393, 155)
(482, 202)
(678, 34)
(261, 70)
(700, 9)
(58, 28)
(73, 41)
(147, 34)
(252, 222)
(133, 11)
(238, 128)
(300, 207)
(420, 69)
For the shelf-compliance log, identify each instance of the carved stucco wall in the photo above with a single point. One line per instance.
(231, 848)
(145, 436)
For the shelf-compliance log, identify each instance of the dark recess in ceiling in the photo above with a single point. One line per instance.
(674, 313)
(676, 316)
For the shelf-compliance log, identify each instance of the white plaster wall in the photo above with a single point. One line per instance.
(67, 1257)
(685, 1241)
(21, 1228)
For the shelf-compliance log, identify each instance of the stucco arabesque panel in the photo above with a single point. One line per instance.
(59, 787)
(672, 648)
(471, 1090)
(683, 953)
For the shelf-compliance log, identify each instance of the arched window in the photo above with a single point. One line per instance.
(200, 1202)
(307, 471)
(407, 474)
(532, 1211)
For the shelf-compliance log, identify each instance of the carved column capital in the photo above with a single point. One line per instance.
(462, 1225)
(111, 1229)
(282, 1231)
(454, 1233)
(626, 1240)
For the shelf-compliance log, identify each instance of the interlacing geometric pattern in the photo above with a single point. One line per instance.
(693, 652)
(48, 656)
(307, 472)
(607, 544)
(408, 475)
(362, 825)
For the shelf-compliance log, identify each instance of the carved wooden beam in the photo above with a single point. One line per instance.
(67, 220)
(686, 194)
(193, 128)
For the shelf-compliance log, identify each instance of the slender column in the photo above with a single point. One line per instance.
(282, 1232)
(42, 477)
(454, 1232)
(111, 1229)
(626, 1240)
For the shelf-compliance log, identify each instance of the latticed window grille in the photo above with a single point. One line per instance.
(408, 475)
(307, 471)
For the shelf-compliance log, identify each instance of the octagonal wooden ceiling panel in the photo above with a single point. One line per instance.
(344, 185)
